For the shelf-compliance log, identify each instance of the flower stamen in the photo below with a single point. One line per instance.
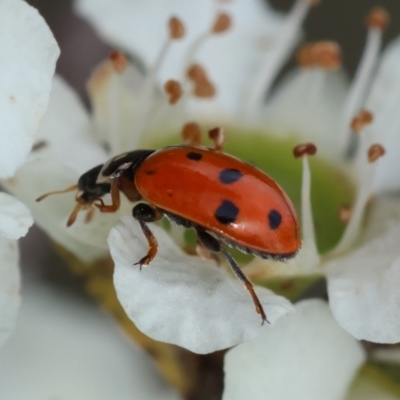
(377, 21)
(368, 155)
(221, 24)
(375, 152)
(203, 87)
(307, 223)
(119, 61)
(261, 85)
(191, 134)
(174, 91)
(217, 135)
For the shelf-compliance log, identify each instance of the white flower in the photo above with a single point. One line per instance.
(225, 72)
(307, 356)
(28, 55)
(67, 349)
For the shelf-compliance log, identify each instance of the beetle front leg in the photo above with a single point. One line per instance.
(115, 200)
(214, 245)
(144, 213)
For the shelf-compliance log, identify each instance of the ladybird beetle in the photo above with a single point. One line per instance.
(223, 198)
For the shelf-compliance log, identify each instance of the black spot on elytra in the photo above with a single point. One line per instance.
(194, 156)
(226, 213)
(274, 219)
(150, 172)
(229, 175)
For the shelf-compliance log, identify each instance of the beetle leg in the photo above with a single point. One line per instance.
(115, 199)
(214, 245)
(144, 213)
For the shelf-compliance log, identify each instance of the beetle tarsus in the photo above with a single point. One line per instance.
(214, 245)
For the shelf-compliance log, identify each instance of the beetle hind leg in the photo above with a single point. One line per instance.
(144, 213)
(214, 245)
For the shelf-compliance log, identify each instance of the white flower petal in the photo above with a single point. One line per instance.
(307, 356)
(15, 218)
(383, 103)
(183, 300)
(65, 349)
(28, 56)
(141, 27)
(65, 134)
(39, 177)
(118, 106)
(363, 289)
(9, 287)
(306, 107)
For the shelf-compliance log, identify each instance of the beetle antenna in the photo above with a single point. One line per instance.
(72, 217)
(70, 189)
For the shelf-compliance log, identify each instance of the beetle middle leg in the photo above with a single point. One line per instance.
(145, 213)
(214, 245)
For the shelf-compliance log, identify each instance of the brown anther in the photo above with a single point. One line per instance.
(174, 90)
(364, 117)
(327, 55)
(305, 149)
(196, 72)
(379, 18)
(375, 151)
(217, 135)
(305, 57)
(345, 214)
(176, 28)
(222, 23)
(204, 89)
(191, 134)
(119, 61)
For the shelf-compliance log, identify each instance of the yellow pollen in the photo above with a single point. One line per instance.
(375, 151)
(222, 23)
(379, 18)
(174, 90)
(119, 61)
(305, 149)
(191, 134)
(176, 28)
(364, 117)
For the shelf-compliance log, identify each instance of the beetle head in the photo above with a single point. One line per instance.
(88, 192)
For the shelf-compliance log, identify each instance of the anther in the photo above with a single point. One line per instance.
(345, 214)
(174, 90)
(191, 134)
(304, 57)
(196, 72)
(222, 23)
(119, 61)
(305, 149)
(217, 135)
(374, 152)
(176, 28)
(378, 18)
(327, 55)
(364, 117)
(203, 88)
